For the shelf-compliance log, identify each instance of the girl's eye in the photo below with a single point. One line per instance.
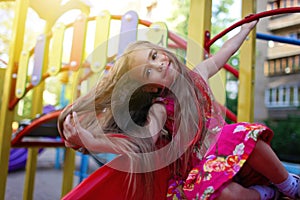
(154, 55)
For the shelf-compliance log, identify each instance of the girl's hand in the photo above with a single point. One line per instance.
(90, 142)
(249, 26)
(70, 145)
(71, 133)
(85, 137)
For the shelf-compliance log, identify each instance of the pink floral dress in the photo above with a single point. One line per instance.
(221, 163)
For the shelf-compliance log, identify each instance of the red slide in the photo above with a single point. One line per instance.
(41, 132)
(109, 183)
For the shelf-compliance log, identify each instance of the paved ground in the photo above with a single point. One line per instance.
(48, 179)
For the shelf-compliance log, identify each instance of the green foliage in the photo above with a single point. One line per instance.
(286, 138)
(220, 19)
(6, 18)
(181, 17)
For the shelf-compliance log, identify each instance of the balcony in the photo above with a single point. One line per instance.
(274, 4)
(291, 21)
(282, 66)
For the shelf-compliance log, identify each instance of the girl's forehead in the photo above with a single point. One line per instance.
(140, 50)
(139, 56)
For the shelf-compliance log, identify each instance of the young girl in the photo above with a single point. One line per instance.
(157, 114)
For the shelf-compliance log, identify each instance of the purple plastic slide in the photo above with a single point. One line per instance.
(18, 158)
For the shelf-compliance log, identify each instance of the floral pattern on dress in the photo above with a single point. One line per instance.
(229, 165)
(253, 130)
(219, 165)
(175, 191)
(193, 177)
(206, 194)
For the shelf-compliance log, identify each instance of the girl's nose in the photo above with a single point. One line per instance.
(160, 66)
(163, 60)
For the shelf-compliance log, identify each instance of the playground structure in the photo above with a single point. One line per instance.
(17, 82)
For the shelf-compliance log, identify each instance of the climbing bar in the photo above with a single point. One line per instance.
(232, 70)
(276, 38)
(251, 18)
(4, 62)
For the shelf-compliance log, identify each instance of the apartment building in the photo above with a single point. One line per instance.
(278, 81)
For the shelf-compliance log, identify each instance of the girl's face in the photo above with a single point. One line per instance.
(154, 67)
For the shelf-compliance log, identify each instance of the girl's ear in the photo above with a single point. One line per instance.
(150, 89)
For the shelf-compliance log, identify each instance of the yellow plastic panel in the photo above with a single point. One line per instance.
(158, 33)
(99, 56)
(78, 43)
(6, 115)
(30, 173)
(199, 22)
(247, 70)
(55, 55)
(22, 74)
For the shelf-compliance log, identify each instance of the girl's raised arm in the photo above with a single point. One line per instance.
(212, 65)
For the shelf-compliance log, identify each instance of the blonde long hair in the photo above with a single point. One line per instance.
(192, 105)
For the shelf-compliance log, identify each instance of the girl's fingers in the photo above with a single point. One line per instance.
(67, 118)
(69, 129)
(76, 122)
(68, 144)
(67, 121)
(67, 124)
(66, 128)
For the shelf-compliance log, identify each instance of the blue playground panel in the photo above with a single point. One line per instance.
(100, 159)
(292, 167)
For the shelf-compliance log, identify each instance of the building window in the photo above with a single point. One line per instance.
(286, 96)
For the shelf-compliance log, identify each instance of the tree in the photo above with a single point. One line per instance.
(287, 138)
(220, 19)
(6, 18)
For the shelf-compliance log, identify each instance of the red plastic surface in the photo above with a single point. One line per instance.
(17, 140)
(109, 183)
